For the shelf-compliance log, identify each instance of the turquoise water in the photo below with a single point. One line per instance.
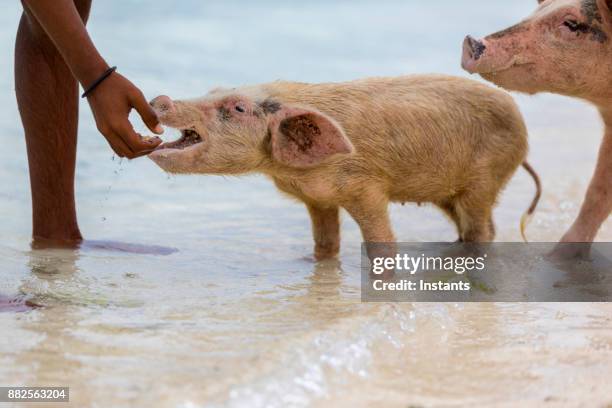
(236, 313)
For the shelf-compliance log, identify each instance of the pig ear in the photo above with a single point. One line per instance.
(305, 138)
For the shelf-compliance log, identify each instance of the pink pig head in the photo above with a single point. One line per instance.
(565, 47)
(229, 132)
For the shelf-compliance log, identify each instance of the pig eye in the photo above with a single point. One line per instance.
(240, 109)
(576, 27)
(571, 24)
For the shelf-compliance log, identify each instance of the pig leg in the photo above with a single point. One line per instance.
(371, 214)
(373, 219)
(325, 230)
(451, 212)
(598, 203)
(476, 223)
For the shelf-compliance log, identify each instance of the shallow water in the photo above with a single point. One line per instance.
(234, 313)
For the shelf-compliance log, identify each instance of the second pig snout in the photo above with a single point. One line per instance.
(473, 49)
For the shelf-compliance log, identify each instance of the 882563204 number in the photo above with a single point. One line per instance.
(34, 394)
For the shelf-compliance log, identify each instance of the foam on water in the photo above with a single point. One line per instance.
(326, 360)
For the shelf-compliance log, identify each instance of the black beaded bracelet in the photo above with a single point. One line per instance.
(98, 81)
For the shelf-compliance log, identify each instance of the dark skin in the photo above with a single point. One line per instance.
(53, 54)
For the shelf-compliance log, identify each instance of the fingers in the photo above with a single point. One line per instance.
(125, 142)
(137, 145)
(146, 112)
(111, 110)
(118, 145)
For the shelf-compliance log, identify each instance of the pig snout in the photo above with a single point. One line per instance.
(163, 105)
(473, 49)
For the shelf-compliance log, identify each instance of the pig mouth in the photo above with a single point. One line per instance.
(189, 137)
(509, 69)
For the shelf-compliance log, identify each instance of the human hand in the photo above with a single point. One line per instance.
(111, 103)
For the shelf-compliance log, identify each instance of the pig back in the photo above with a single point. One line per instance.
(419, 128)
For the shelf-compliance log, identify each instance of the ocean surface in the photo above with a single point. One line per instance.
(230, 310)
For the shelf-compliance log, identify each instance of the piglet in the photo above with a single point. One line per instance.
(359, 145)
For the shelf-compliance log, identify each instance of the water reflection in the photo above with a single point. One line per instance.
(49, 359)
(48, 268)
